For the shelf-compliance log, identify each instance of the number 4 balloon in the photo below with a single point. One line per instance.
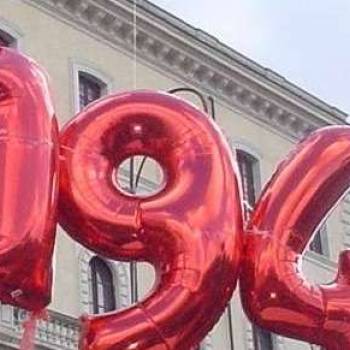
(275, 294)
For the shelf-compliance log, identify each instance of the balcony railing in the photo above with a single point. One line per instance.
(58, 332)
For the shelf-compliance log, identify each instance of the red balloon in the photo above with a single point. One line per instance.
(275, 293)
(28, 175)
(190, 231)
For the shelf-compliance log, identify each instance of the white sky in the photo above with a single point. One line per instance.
(307, 41)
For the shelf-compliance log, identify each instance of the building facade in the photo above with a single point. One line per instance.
(88, 48)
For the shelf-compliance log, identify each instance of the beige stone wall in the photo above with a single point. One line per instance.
(61, 48)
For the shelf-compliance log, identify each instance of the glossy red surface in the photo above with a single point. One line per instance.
(28, 175)
(274, 292)
(190, 231)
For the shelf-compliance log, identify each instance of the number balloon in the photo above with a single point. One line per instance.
(302, 191)
(28, 175)
(190, 231)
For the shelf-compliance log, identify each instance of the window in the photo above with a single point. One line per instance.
(318, 243)
(247, 167)
(7, 40)
(90, 89)
(262, 339)
(3, 42)
(102, 288)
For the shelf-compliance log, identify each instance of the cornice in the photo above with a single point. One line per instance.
(199, 60)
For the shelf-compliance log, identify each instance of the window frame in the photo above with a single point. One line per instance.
(4, 42)
(260, 336)
(94, 73)
(245, 158)
(99, 267)
(12, 33)
(92, 80)
(255, 175)
(319, 244)
(263, 339)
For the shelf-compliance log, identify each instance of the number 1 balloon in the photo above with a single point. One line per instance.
(274, 292)
(190, 231)
(28, 175)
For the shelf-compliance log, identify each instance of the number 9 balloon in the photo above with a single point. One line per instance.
(274, 292)
(28, 175)
(190, 231)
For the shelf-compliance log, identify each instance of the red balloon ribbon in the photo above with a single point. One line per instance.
(28, 177)
(274, 292)
(29, 327)
(190, 231)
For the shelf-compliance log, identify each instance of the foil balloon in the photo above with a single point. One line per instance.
(275, 293)
(28, 175)
(190, 231)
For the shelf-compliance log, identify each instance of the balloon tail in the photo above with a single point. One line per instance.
(29, 325)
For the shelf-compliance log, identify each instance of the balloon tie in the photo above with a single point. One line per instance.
(29, 326)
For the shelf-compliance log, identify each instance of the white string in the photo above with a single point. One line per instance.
(135, 45)
(133, 265)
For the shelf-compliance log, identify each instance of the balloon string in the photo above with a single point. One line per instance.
(135, 45)
(29, 325)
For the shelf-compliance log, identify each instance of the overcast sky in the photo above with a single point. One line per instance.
(307, 41)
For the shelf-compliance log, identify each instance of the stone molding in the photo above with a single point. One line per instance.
(200, 60)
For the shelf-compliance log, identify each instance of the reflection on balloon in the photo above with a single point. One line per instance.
(302, 191)
(190, 231)
(28, 175)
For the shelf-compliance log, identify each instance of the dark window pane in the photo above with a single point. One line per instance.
(3, 42)
(247, 167)
(246, 164)
(316, 244)
(90, 89)
(102, 287)
(262, 339)
(6, 39)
